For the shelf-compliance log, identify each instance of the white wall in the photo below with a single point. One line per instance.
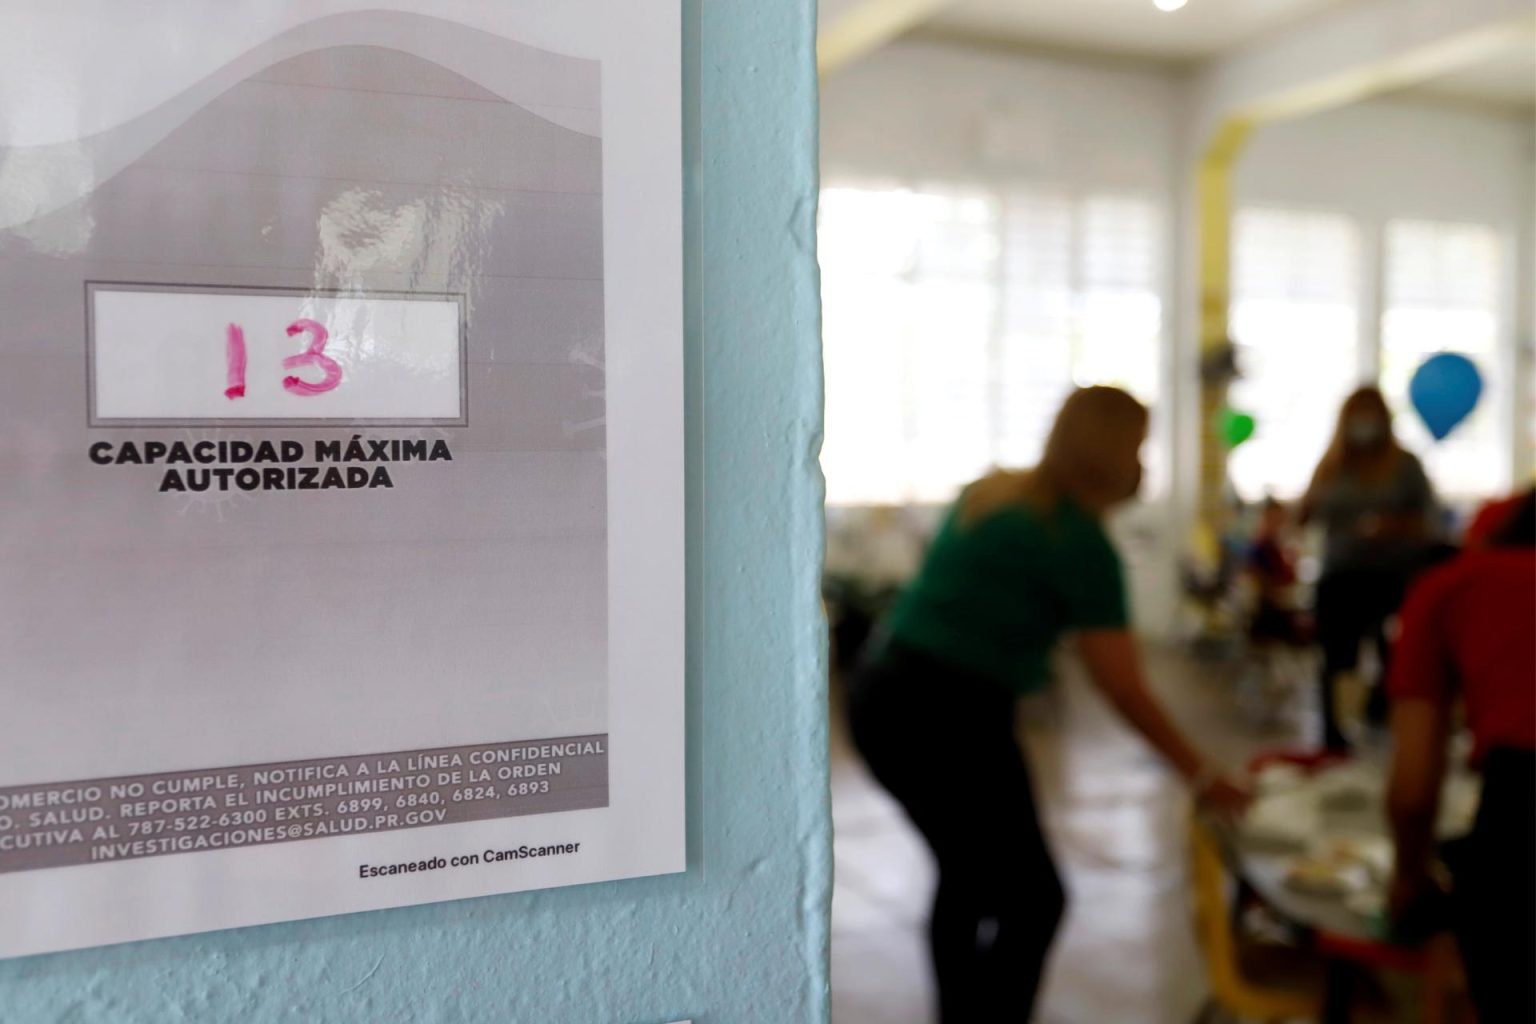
(933, 110)
(928, 111)
(1394, 157)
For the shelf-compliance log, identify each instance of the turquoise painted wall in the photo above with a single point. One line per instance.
(742, 936)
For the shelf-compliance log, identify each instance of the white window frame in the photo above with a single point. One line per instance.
(1513, 411)
(1002, 192)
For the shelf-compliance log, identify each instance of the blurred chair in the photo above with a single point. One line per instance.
(1208, 577)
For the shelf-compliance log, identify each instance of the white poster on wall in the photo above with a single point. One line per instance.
(341, 472)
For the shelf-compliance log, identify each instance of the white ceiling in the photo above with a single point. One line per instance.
(1134, 28)
(1202, 29)
(1507, 77)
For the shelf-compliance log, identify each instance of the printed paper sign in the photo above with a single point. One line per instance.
(341, 446)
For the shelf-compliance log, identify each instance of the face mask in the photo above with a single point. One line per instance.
(1364, 431)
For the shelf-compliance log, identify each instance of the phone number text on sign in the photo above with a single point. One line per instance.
(164, 355)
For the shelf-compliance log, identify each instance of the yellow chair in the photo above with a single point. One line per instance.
(1232, 989)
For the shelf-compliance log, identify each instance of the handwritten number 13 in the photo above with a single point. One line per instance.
(313, 355)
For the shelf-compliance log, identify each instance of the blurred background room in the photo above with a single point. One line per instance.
(1239, 211)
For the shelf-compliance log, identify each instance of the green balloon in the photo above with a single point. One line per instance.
(1234, 427)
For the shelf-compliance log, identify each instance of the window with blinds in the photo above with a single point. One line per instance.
(955, 320)
(1295, 325)
(1441, 293)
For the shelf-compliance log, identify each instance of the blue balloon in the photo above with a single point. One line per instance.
(1444, 391)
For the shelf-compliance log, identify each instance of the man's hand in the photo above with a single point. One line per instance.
(1405, 892)
(1416, 906)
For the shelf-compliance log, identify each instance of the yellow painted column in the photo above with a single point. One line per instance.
(1214, 200)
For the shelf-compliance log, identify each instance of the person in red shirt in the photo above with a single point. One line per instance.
(1490, 518)
(1468, 631)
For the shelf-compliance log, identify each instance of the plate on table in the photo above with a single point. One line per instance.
(1279, 778)
(1287, 820)
(1349, 789)
(1371, 851)
(1326, 878)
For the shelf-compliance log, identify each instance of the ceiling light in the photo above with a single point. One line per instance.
(1169, 5)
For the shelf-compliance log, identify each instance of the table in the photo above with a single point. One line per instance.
(1346, 939)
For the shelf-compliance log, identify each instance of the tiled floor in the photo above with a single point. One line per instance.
(1116, 818)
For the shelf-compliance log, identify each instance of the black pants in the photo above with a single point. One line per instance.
(1353, 604)
(942, 741)
(1495, 892)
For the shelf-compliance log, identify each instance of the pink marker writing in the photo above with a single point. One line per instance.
(234, 356)
(314, 355)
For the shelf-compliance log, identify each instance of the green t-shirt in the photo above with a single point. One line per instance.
(994, 596)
